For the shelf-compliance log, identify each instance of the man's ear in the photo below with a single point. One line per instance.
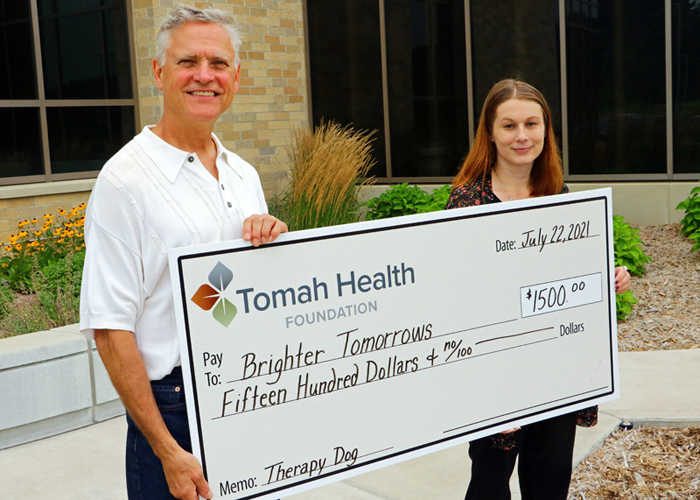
(157, 73)
(238, 78)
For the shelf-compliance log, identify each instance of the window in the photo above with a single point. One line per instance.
(616, 83)
(419, 95)
(67, 94)
(621, 77)
(516, 40)
(686, 85)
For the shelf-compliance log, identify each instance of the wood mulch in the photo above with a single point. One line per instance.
(653, 463)
(642, 464)
(668, 313)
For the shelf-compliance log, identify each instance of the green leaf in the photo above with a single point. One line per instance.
(224, 312)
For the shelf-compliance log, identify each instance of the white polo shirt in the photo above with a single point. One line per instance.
(148, 198)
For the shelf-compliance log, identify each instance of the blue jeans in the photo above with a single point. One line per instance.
(145, 479)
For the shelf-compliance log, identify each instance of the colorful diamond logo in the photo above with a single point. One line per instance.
(208, 297)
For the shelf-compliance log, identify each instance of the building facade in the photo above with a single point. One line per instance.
(622, 79)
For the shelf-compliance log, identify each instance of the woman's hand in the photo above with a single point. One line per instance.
(510, 431)
(622, 279)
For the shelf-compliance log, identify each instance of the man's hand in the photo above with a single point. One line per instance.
(184, 475)
(262, 228)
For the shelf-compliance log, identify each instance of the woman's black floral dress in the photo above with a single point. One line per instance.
(481, 193)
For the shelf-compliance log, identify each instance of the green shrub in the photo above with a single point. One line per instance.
(624, 302)
(690, 225)
(6, 300)
(628, 252)
(396, 201)
(437, 200)
(55, 303)
(39, 244)
(403, 199)
(628, 247)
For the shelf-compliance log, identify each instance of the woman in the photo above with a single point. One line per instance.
(515, 156)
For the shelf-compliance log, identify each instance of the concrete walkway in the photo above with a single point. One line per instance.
(659, 388)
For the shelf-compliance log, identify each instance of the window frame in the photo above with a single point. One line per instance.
(669, 175)
(42, 103)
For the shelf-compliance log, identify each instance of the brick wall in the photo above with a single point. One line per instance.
(272, 96)
(14, 210)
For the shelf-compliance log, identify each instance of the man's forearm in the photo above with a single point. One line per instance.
(125, 366)
(128, 373)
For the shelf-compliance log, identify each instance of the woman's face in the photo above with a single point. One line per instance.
(518, 133)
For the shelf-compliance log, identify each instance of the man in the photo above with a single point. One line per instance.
(173, 185)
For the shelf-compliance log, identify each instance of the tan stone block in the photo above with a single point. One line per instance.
(277, 124)
(30, 213)
(280, 141)
(247, 153)
(231, 136)
(296, 98)
(29, 201)
(260, 47)
(223, 127)
(258, 90)
(141, 4)
(72, 200)
(271, 21)
(242, 126)
(287, 23)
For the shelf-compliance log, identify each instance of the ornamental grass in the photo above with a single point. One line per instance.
(327, 169)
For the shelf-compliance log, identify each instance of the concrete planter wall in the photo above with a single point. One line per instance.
(52, 382)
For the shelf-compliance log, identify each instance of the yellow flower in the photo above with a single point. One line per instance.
(34, 221)
(37, 233)
(5, 264)
(9, 249)
(60, 240)
(18, 247)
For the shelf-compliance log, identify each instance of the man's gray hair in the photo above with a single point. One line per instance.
(183, 14)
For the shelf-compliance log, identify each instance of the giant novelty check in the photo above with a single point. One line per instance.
(336, 351)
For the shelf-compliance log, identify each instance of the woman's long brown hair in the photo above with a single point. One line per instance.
(546, 176)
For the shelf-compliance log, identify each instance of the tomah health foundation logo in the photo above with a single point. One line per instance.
(207, 297)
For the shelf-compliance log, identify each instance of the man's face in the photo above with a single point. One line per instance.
(199, 77)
